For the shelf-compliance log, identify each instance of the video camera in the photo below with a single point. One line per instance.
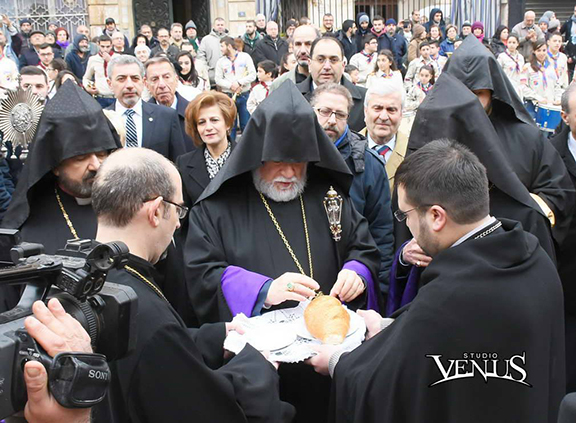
(76, 276)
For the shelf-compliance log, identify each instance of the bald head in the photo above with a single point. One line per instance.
(303, 37)
(83, 29)
(272, 29)
(127, 179)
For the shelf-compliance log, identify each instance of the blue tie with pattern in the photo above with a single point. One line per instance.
(131, 133)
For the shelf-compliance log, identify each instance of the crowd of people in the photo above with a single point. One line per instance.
(455, 231)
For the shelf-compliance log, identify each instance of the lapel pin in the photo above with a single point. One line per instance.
(150, 119)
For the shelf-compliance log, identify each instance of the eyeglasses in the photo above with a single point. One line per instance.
(402, 215)
(333, 60)
(182, 210)
(327, 113)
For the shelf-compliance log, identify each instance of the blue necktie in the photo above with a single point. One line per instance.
(131, 133)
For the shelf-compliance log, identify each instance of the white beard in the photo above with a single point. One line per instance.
(280, 196)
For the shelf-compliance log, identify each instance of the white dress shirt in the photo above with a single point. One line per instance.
(572, 143)
(137, 117)
(391, 144)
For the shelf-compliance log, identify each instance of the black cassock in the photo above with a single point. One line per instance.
(499, 294)
(177, 374)
(72, 124)
(233, 247)
(530, 155)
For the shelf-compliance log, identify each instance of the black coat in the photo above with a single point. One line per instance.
(499, 294)
(567, 251)
(161, 130)
(356, 118)
(349, 46)
(181, 106)
(267, 49)
(175, 373)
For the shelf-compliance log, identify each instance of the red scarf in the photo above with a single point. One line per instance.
(105, 62)
(265, 87)
(41, 65)
(368, 56)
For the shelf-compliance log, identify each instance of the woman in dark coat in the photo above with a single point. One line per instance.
(209, 118)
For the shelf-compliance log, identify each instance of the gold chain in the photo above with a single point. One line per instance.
(128, 268)
(281, 233)
(66, 217)
(150, 284)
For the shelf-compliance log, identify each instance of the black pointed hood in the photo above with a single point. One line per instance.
(452, 111)
(283, 128)
(71, 124)
(477, 68)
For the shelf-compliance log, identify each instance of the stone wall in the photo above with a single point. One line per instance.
(120, 10)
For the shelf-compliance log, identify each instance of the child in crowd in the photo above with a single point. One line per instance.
(385, 67)
(353, 73)
(421, 87)
(512, 63)
(542, 84)
(267, 71)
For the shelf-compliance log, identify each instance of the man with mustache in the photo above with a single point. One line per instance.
(52, 202)
(327, 65)
(303, 38)
(370, 190)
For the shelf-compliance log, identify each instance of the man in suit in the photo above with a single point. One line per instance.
(327, 65)
(162, 82)
(147, 125)
(565, 143)
(383, 116)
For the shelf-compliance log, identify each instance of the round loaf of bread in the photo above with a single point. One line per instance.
(327, 319)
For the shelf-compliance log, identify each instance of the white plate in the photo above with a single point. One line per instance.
(355, 324)
(270, 337)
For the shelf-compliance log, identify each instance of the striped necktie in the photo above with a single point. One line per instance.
(382, 150)
(131, 133)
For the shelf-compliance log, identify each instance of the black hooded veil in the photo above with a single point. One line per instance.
(233, 247)
(71, 124)
(452, 111)
(526, 149)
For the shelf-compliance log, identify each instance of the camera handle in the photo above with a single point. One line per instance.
(76, 380)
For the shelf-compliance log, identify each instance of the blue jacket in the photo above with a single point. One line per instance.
(446, 46)
(6, 187)
(370, 194)
(396, 44)
(76, 63)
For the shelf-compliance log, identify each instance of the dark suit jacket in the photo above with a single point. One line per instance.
(161, 130)
(195, 178)
(356, 118)
(567, 252)
(28, 57)
(181, 109)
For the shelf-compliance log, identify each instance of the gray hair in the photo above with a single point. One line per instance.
(141, 47)
(383, 87)
(332, 88)
(159, 59)
(565, 101)
(122, 60)
(120, 189)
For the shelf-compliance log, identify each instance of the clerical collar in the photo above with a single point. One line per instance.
(83, 201)
(477, 229)
(572, 145)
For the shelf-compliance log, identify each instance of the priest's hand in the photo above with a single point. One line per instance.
(413, 254)
(291, 286)
(348, 286)
(56, 331)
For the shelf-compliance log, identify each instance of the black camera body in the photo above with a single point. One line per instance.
(76, 276)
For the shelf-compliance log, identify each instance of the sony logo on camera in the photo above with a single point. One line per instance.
(485, 365)
(98, 374)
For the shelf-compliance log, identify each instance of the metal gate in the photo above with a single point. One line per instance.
(66, 13)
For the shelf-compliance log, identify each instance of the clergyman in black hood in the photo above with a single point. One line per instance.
(259, 235)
